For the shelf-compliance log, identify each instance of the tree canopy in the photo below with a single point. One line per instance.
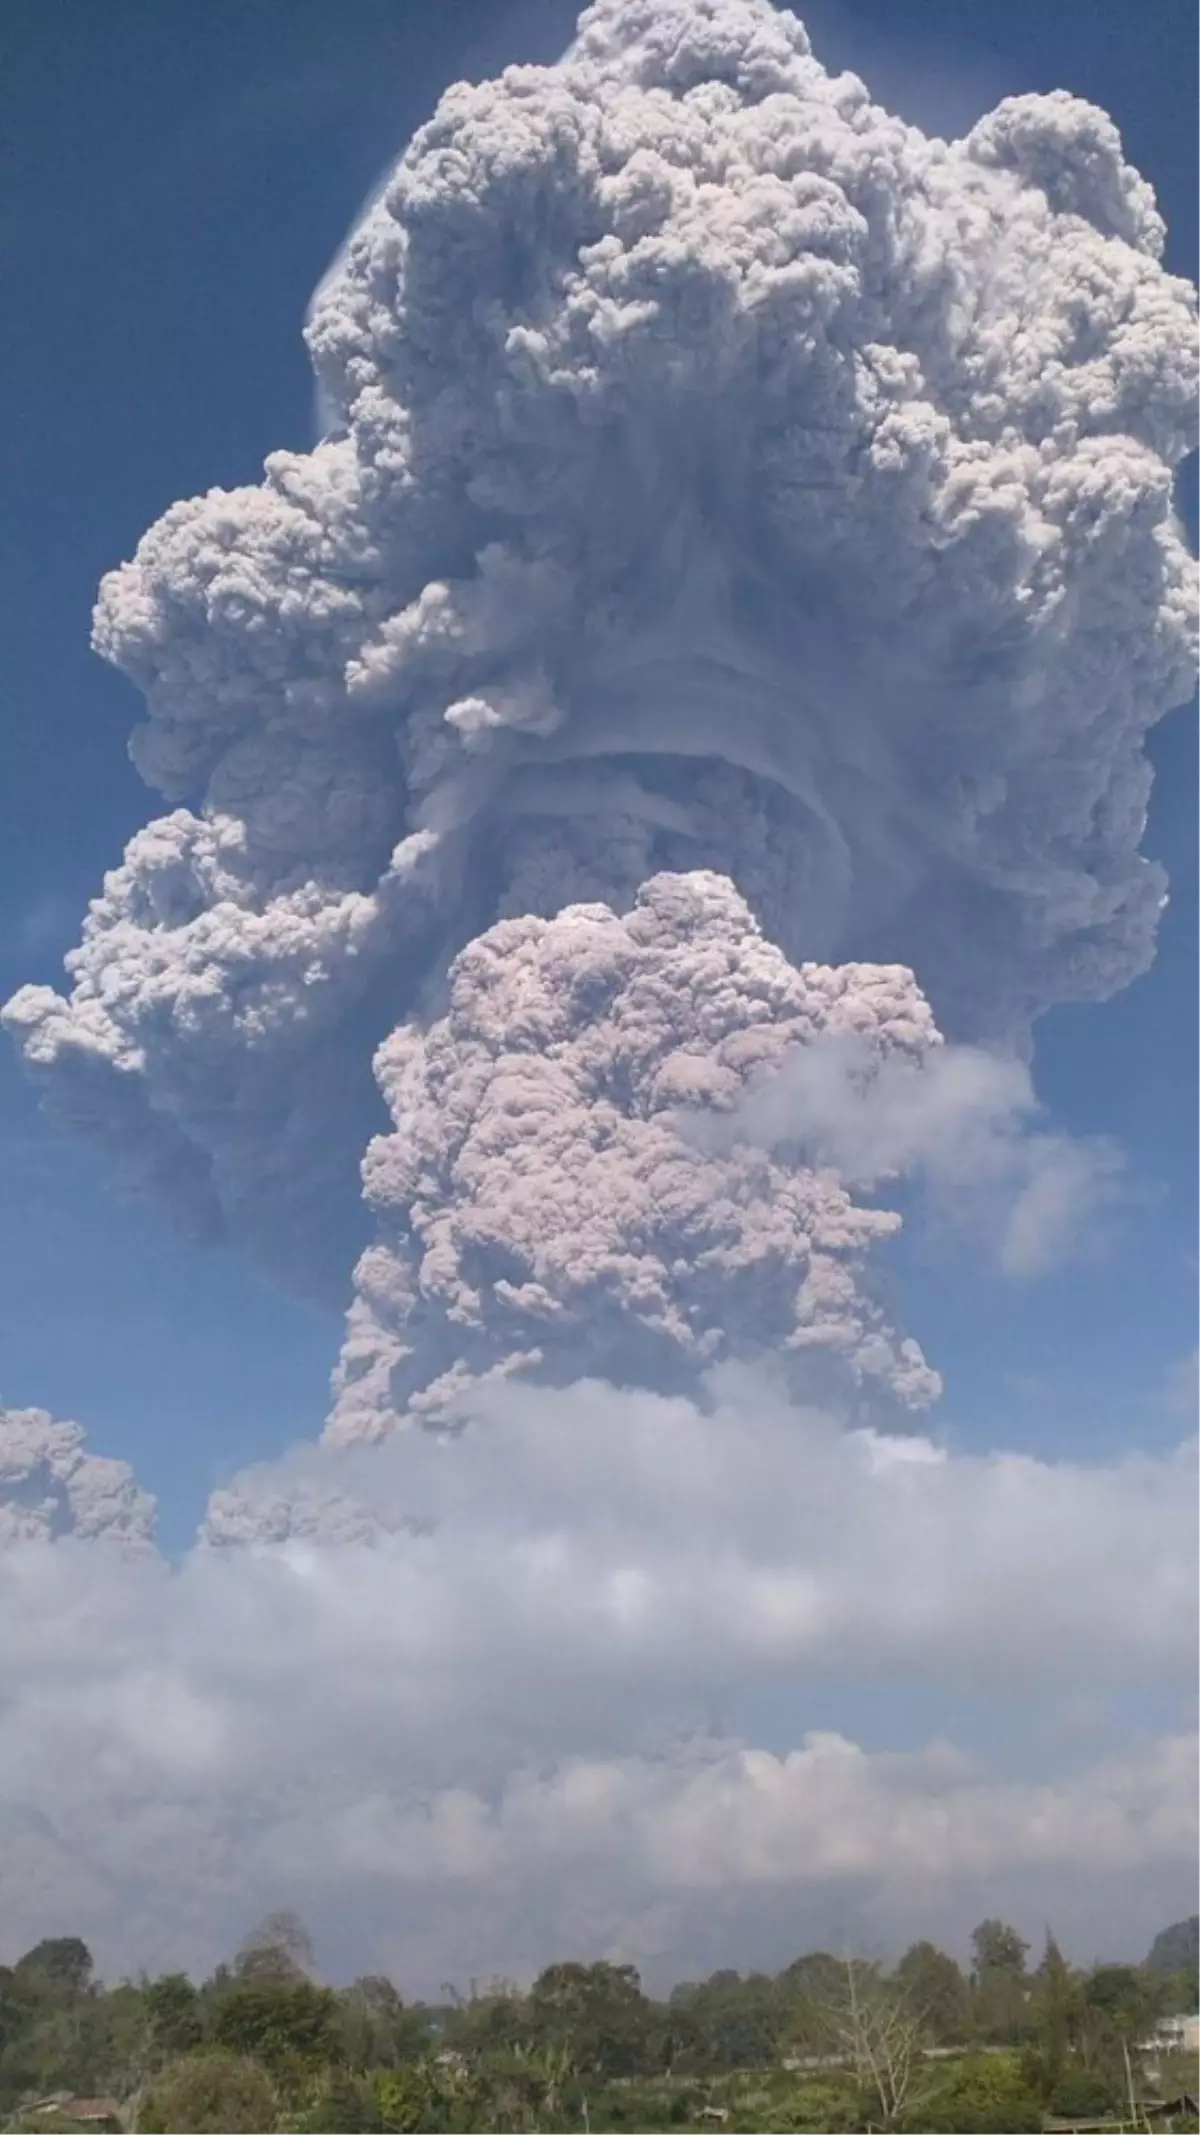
(828, 2042)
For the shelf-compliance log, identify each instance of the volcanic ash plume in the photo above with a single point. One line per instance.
(50, 1486)
(720, 476)
(541, 1207)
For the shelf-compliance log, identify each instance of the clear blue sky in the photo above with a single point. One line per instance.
(176, 180)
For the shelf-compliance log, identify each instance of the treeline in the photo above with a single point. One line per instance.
(262, 2044)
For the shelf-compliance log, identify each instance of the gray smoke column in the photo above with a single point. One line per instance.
(721, 476)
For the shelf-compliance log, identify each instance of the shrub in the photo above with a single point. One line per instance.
(829, 2107)
(279, 2022)
(1085, 2093)
(348, 2103)
(210, 2094)
(985, 2096)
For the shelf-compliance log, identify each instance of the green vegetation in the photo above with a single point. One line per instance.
(827, 2044)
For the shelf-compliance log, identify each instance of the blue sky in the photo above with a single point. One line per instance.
(177, 182)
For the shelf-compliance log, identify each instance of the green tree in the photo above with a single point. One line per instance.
(122, 2051)
(1120, 2004)
(676, 2041)
(1001, 1991)
(598, 2010)
(806, 1987)
(280, 2023)
(61, 1967)
(497, 2017)
(934, 1988)
(996, 1947)
(50, 2009)
(1055, 2008)
(817, 1971)
(174, 2019)
(723, 2022)
(866, 2022)
(375, 2028)
(1125, 1999)
(280, 1947)
(210, 2094)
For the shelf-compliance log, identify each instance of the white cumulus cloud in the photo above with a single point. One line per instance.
(449, 1695)
(964, 1122)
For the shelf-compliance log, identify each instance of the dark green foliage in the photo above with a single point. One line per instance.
(1002, 1995)
(501, 2016)
(965, 2114)
(280, 2022)
(634, 2107)
(985, 2096)
(998, 1948)
(261, 2044)
(807, 1988)
(210, 2094)
(936, 1991)
(349, 2104)
(600, 2009)
(1118, 2007)
(1086, 2094)
(61, 1968)
(1126, 1999)
(1179, 1992)
(724, 2022)
(175, 2021)
(1056, 2010)
(374, 2027)
(48, 2020)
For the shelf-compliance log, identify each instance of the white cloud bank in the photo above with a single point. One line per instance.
(448, 1694)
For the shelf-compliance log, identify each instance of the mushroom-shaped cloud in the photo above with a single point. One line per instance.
(719, 474)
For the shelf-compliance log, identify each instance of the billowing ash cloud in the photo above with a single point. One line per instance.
(540, 1210)
(51, 1487)
(722, 475)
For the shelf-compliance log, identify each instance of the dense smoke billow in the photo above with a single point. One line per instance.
(720, 476)
(540, 1209)
(50, 1486)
